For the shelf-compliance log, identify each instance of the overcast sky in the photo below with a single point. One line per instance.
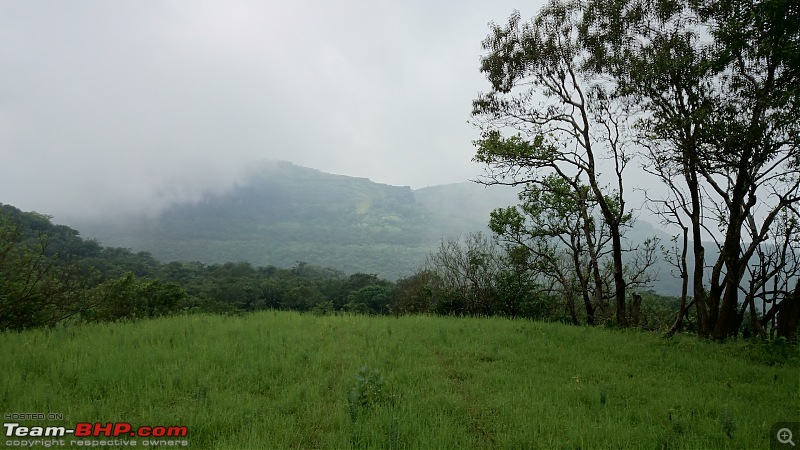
(108, 105)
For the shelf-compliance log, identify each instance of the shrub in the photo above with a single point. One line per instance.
(368, 390)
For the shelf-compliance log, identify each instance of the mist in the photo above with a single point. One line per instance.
(119, 107)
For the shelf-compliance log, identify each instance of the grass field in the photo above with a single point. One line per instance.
(286, 380)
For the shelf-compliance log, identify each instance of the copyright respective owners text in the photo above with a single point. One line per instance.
(784, 435)
(46, 430)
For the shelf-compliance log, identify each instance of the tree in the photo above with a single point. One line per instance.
(773, 280)
(465, 274)
(38, 286)
(414, 294)
(565, 119)
(131, 298)
(716, 84)
(554, 234)
(372, 299)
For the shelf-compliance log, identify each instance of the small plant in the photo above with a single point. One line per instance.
(368, 390)
(394, 434)
(201, 392)
(776, 351)
(603, 390)
(676, 421)
(727, 421)
(678, 426)
(443, 335)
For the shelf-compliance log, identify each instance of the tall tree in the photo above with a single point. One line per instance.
(716, 84)
(565, 119)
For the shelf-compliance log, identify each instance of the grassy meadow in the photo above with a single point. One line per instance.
(286, 380)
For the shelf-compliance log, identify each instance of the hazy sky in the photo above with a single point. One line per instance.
(108, 106)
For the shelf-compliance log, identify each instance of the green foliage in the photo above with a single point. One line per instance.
(415, 294)
(132, 298)
(283, 213)
(369, 389)
(494, 149)
(602, 389)
(774, 351)
(49, 275)
(322, 308)
(107, 284)
(39, 283)
(714, 87)
(728, 422)
(657, 311)
(369, 299)
(465, 281)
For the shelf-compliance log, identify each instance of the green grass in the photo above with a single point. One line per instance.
(286, 380)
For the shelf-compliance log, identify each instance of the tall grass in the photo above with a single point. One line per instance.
(286, 380)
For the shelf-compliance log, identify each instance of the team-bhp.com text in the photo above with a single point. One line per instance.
(47, 436)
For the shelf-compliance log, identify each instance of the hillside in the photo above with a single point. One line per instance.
(283, 213)
(464, 207)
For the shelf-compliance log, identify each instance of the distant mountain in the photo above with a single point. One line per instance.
(283, 213)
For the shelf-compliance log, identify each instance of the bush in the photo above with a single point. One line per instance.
(368, 390)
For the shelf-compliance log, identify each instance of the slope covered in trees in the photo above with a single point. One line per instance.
(50, 275)
(284, 213)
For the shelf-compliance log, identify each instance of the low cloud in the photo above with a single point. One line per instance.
(114, 107)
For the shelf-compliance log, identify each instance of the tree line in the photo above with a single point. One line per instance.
(50, 275)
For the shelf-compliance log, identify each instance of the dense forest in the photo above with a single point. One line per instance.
(50, 275)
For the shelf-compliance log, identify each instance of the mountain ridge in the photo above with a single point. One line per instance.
(282, 213)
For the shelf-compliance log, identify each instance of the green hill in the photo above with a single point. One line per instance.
(283, 213)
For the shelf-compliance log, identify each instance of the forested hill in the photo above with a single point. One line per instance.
(283, 213)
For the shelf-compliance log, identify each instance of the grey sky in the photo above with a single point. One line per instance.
(117, 105)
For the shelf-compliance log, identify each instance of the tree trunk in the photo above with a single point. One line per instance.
(789, 316)
(703, 325)
(727, 325)
(587, 302)
(636, 306)
(594, 264)
(619, 280)
(754, 319)
(571, 307)
(690, 173)
(684, 285)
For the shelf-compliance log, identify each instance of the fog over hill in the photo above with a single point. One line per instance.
(283, 213)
